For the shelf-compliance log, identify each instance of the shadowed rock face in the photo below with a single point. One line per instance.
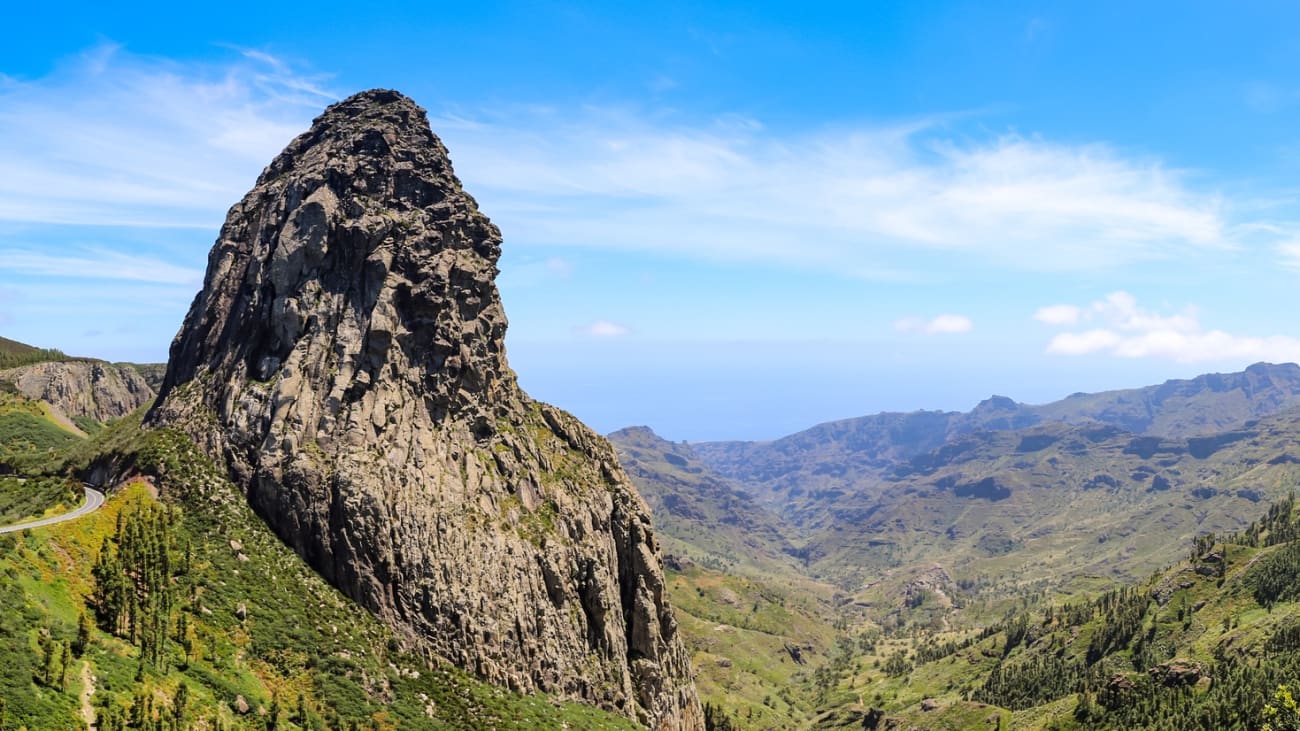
(345, 359)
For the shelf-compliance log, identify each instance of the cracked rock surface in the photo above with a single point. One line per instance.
(345, 359)
(94, 389)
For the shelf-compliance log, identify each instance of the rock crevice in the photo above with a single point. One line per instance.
(346, 360)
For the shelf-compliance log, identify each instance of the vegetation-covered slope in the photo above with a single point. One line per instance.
(1052, 502)
(31, 433)
(702, 516)
(1205, 644)
(192, 605)
(14, 354)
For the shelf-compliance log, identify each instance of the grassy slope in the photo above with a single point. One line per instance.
(29, 433)
(1185, 613)
(740, 631)
(37, 497)
(739, 596)
(300, 636)
(29, 438)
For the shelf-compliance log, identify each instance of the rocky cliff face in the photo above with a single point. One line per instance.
(101, 391)
(345, 359)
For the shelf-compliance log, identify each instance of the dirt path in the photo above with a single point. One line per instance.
(87, 690)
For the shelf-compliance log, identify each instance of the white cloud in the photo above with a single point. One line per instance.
(940, 325)
(1129, 331)
(122, 139)
(1083, 343)
(114, 138)
(605, 329)
(98, 264)
(861, 200)
(1121, 310)
(1289, 253)
(1058, 314)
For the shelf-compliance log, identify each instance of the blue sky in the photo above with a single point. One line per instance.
(720, 220)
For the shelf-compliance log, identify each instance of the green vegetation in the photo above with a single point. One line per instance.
(180, 607)
(14, 354)
(756, 646)
(703, 517)
(87, 424)
(1207, 643)
(36, 497)
(30, 437)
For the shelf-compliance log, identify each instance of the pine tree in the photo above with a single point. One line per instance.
(179, 703)
(137, 708)
(50, 657)
(84, 627)
(67, 660)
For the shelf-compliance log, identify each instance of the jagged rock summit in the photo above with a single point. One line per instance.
(345, 359)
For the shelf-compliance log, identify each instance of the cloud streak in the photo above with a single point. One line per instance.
(98, 264)
(868, 201)
(605, 329)
(114, 138)
(940, 325)
(1124, 329)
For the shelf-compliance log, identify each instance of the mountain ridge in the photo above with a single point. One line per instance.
(856, 451)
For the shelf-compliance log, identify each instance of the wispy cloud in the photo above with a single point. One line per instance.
(1289, 252)
(605, 329)
(864, 200)
(940, 325)
(122, 139)
(114, 138)
(1058, 314)
(98, 264)
(1124, 329)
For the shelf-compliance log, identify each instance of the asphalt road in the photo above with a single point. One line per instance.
(94, 499)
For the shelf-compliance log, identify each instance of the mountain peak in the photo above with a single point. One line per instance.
(346, 361)
(997, 403)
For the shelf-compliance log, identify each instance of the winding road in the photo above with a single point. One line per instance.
(94, 499)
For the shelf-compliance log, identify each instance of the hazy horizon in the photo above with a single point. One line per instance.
(722, 221)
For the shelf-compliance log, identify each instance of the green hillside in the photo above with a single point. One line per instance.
(1051, 504)
(183, 611)
(14, 354)
(31, 436)
(1204, 644)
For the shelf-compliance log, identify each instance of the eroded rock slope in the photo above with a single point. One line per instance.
(345, 359)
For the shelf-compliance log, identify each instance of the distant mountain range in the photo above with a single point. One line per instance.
(853, 454)
(1113, 483)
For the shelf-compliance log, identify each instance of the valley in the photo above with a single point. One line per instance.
(952, 552)
(334, 507)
